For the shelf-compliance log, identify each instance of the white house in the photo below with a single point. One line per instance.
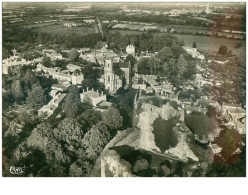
(92, 97)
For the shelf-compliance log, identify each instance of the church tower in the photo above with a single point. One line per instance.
(208, 11)
(109, 75)
(130, 49)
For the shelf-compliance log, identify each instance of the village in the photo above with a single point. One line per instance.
(124, 76)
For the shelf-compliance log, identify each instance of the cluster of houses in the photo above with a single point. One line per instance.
(117, 74)
(15, 61)
(53, 107)
(52, 54)
(193, 52)
(100, 55)
(71, 24)
(163, 88)
(72, 75)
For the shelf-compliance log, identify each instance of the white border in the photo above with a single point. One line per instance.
(151, 186)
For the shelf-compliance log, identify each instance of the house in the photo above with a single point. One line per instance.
(12, 62)
(60, 87)
(51, 109)
(149, 90)
(9, 65)
(89, 21)
(92, 97)
(139, 86)
(72, 67)
(74, 77)
(229, 108)
(99, 55)
(52, 54)
(106, 22)
(193, 52)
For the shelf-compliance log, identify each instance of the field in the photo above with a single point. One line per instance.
(178, 28)
(212, 44)
(126, 32)
(204, 43)
(42, 25)
(59, 29)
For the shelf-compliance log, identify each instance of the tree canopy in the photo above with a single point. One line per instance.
(36, 97)
(72, 102)
(112, 118)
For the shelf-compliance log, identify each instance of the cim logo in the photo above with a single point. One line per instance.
(16, 170)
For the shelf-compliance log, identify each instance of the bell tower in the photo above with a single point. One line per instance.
(108, 75)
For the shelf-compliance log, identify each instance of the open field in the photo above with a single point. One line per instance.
(212, 44)
(30, 26)
(59, 29)
(126, 32)
(204, 43)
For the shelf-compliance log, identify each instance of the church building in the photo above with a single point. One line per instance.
(116, 75)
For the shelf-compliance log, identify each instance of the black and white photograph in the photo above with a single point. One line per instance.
(124, 89)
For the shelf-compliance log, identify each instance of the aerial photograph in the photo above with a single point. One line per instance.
(115, 89)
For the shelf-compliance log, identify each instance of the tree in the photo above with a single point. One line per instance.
(17, 91)
(61, 63)
(140, 165)
(165, 53)
(182, 65)
(70, 132)
(112, 118)
(14, 129)
(90, 117)
(130, 59)
(229, 140)
(154, 65)
(143, 67)
(72, 103)
(194, 45)
(46, 61)
(95, 140)
(42, 138)
(30, 55)
(100, 44)
(75, 170)
(73, 54)
(177, 51)
(199, 123)
(30, 79)
(36, 98)
(223, 50)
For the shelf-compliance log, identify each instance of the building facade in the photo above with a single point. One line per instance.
(113, 80)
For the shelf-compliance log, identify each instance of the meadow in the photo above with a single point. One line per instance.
(59, 29)
(211, 44)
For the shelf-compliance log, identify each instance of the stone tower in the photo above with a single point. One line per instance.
(130, 49)
(208, 11)
(108, 75)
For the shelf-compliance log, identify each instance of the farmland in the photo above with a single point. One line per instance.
(42, 25)
(204, 43)
(212, 44)
(59, 29)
